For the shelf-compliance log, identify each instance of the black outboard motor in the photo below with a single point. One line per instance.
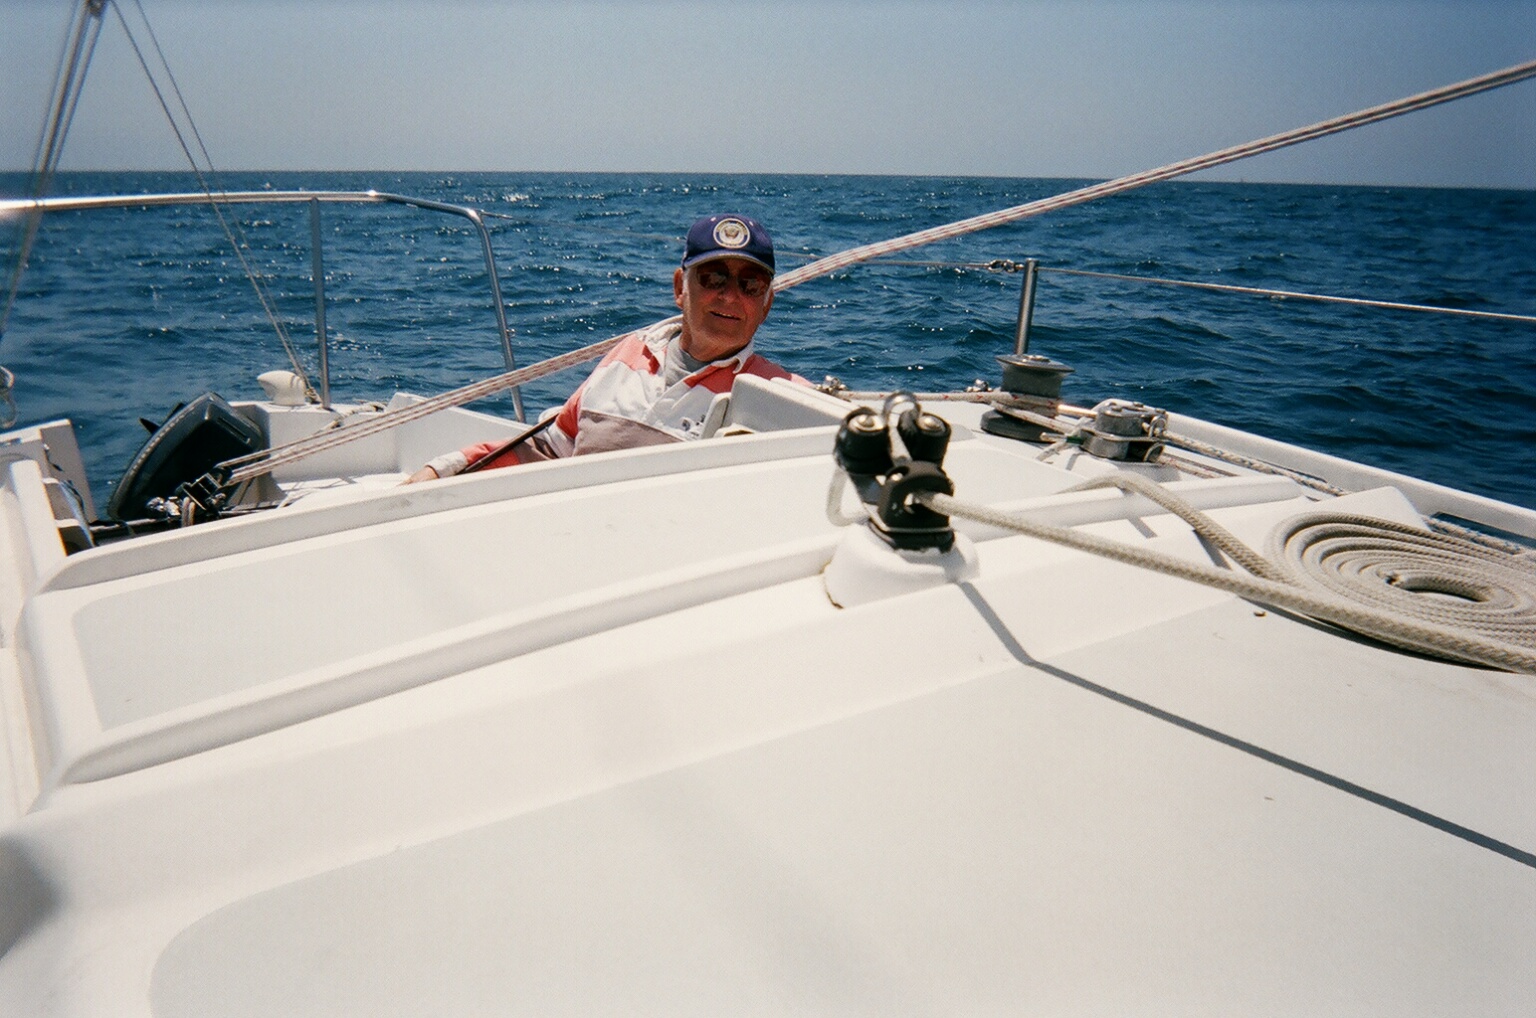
(193, 440)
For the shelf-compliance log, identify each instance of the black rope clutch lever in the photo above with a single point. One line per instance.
(507, 446)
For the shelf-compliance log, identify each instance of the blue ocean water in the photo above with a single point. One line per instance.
(123, 314)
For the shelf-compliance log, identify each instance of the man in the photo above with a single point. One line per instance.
(656, 385)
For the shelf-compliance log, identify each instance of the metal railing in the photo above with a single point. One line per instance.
(1032, 267)
(314, 199)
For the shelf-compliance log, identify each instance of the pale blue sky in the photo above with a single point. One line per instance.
(1093, 88)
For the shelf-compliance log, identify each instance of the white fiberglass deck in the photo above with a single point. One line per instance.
(540, 747)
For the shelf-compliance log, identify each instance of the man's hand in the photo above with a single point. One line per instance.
(424, 474)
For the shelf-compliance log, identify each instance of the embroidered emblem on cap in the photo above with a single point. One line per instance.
(732, 233)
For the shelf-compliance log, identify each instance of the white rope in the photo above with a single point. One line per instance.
(1198, 521)
(1250, 463)
(824, 266)
(1069, 421)
(1403, 570)
(1431, 636)
(1423, 100)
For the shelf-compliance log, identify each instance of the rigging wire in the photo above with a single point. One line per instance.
(75, 57)
(238, 243)
(171, 77)
(1295, 295)
(1005, 265)
(1009, 265)
(1423, 100)
(75, 54)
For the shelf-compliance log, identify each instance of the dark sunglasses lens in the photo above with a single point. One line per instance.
(751, 284)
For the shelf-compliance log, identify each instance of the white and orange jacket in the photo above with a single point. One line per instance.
(626, 402)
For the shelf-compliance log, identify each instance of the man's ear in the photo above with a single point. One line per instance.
(769, 306)
(677, 286)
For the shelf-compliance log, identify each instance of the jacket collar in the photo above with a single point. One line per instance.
(662, 338)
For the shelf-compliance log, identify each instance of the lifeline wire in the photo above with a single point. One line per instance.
(1295, 295)
(855, 255)
(1008, 265)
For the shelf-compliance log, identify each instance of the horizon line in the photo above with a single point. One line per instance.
(1190, 179)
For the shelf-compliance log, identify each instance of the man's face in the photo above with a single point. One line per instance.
(723, 302)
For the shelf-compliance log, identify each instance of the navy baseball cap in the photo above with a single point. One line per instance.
(726, 236)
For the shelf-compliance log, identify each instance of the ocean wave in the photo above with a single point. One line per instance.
(592, 255)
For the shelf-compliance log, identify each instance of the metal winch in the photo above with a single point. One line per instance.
(1121, 429)
(1034, 382)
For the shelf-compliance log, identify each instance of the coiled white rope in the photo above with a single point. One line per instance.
(1434, 577)
(1509, 645)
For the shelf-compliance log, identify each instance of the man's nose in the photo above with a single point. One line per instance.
(731, 290)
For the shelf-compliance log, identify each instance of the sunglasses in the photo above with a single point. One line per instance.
(751, 282)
